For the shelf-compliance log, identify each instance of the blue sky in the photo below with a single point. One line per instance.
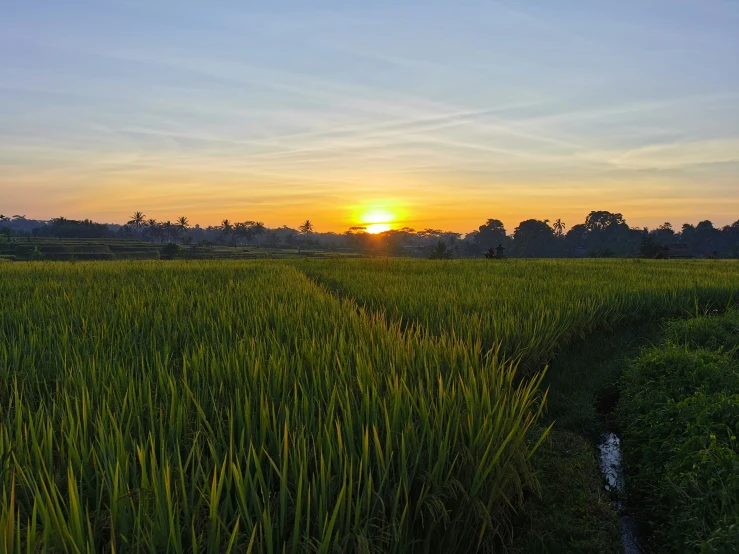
(443, 113)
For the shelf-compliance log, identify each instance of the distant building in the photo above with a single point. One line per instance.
(679, 251)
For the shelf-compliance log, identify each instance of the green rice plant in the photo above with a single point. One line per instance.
(255, 406)
(528, 309)
(236, 406)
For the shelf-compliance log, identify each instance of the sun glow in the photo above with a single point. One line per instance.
(375, 228)
(377, 219)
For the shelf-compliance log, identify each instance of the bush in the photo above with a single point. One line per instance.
(714, 332)
(170, 250)
(440, 252)
(680, 410)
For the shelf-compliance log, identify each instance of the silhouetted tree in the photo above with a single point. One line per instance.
(664, 234)
(440, 251)
(273, 239)
(608, 232)
(650, 248)
(602, 220)
(5, 229)
(226, 229)
(306, 228)
(602, 234)
(731, 234)
(70, 228)
(559, 227)
(430, 233)
(258, 229)
(703, 239)
(490, 234)
(533, 238)
(575, 238)
(137, 220)
(241, 230)
(183, 224)
(168, 230)
(152, 229)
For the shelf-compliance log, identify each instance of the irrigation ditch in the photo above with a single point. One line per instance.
(583, 506)
(610, 458)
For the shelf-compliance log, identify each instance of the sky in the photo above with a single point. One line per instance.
(427, 113)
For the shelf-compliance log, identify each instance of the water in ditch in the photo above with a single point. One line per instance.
(609, 456)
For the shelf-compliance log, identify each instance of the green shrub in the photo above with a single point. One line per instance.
(680, 413)
(715, 332)
(170, 250)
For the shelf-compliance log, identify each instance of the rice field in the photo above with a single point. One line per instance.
(293, 406)
(529, 309)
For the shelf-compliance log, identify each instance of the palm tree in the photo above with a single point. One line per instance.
(258, 229)
(241, 229)
(226, 227)
(167, 230)
(3, 229)
(306, 227)
(559, 227)
(183, 224)
(154, 228)
(137, 220)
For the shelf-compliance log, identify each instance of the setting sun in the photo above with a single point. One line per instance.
(376, 219)
(378, 228)
(377, 216)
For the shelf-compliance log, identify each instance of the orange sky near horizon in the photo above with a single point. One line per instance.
(411, 203)
(506, 110)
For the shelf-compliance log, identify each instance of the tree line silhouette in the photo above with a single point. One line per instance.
(602, 234)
